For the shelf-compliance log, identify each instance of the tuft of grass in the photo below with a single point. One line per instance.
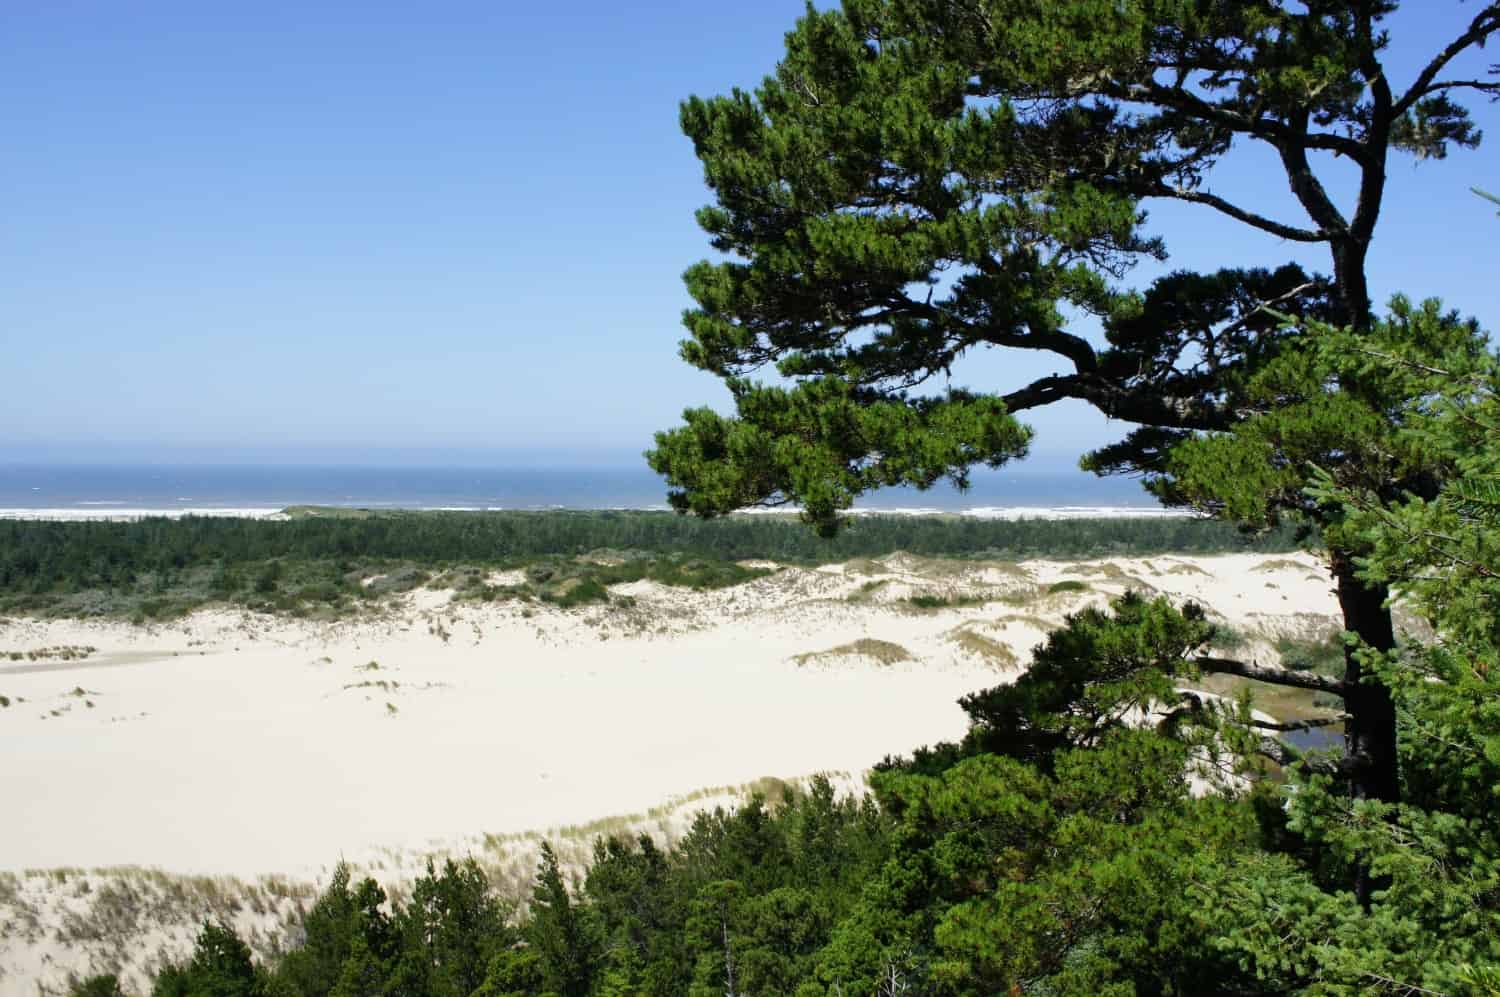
(384, 685)
(485, 592)
(1067, 585)
(988, 648)
(1020, 596)
(402, 579)
(1028, 620)
(1280, 564)
(62, 652)
(695, 574)
(927, 600)
(867, 590)
(882, 651)
(571, 592)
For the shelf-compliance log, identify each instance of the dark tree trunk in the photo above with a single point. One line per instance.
(1351, 286)
(1370, 734)
(1370, 731)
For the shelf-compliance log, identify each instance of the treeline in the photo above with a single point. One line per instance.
(809, 895)
(41, 556)
(763, 886)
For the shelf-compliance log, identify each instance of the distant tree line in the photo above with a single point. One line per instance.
(49, 556)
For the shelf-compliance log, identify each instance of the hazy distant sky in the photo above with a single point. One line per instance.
(453, 232)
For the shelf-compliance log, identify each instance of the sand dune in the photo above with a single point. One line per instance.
(231, 746)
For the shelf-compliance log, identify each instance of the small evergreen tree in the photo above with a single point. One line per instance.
(220, 966)
(102, 985)
(563, 934)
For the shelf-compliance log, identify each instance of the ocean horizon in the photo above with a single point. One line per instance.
(78, 491)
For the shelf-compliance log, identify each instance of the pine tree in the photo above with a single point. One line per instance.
(562, 933)
(995, 155)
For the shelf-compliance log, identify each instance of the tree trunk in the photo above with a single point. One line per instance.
(1370, 731)
(1350, 284)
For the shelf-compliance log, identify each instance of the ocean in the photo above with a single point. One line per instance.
(102, 491)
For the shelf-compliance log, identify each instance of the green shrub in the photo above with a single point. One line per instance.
(575, 592)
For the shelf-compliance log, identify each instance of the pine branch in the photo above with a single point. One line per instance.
(1477, 501)
(1184, 101)
(1490, 87)
(1274, 675)
(1300, 725)
(1145, 405)
(1485, 23)
(1234, 211)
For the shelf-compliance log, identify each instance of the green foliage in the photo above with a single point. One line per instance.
(1357, 438)
(1092, 677)
(565, 936)
(220, 967)
(513, 972)
(919, 181)
(926, 600)
(1410, 496)
(441, 941)
(811, 442)
(449, 930)
(327, 931)
(1007, 879)
(575, 592)
(160, 568)
(103, 985)
(1323, 655)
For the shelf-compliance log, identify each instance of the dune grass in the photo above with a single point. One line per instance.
(883, 652)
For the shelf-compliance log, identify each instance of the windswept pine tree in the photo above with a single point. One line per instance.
(920, 179)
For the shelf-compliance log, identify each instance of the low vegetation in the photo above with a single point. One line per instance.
(330, 563)
(972, 642)
(65, 652)
(568, 582)
(928, 600)
(882, 652)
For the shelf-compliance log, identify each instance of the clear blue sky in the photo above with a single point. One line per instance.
(450, 232)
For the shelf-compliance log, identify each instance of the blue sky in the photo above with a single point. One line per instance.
(452, 232)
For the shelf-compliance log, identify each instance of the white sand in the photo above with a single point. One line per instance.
(241, 745)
